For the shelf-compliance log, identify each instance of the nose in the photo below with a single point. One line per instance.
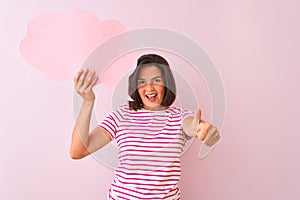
(149, 87)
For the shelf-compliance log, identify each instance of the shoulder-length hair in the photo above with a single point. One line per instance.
(168, 78)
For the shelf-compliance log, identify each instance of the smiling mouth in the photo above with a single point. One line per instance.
(151, 97)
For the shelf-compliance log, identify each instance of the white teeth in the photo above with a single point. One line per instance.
(151, 95)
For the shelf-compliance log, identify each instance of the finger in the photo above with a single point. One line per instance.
(211, 142)
(93, 83)
(76, 77)
(88, 80)
(82, 77)
(202, 133)
(204, 129)
(196, 119)
(197, 114)
(212, 137)
(209, 137)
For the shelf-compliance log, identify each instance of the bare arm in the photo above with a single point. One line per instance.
(83, 142)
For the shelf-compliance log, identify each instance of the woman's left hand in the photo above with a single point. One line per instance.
(205, 131)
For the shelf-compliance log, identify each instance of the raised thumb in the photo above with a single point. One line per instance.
(197, 115)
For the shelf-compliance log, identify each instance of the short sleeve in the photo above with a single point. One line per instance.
(186, 113)
(111, 123)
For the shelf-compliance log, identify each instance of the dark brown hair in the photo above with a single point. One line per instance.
(169, 82)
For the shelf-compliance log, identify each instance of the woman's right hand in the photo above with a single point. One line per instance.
(84, 83)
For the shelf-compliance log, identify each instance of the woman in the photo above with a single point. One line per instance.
(149, 132)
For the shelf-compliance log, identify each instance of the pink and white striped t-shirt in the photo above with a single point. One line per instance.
(150, 144)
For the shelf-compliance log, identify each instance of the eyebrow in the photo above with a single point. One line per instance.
(152, 78)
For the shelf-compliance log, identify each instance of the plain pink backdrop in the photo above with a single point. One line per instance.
(255, 46)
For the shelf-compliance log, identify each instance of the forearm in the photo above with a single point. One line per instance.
(188, 128)
(80, 135)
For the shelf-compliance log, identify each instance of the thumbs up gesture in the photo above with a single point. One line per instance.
(204, 131)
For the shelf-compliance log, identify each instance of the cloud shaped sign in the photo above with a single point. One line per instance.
(59, 43)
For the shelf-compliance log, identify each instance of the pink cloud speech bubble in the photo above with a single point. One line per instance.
(58, 43)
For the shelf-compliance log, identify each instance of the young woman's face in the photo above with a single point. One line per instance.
(151, 87)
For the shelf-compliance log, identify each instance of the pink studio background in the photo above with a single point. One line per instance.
(255, 46)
